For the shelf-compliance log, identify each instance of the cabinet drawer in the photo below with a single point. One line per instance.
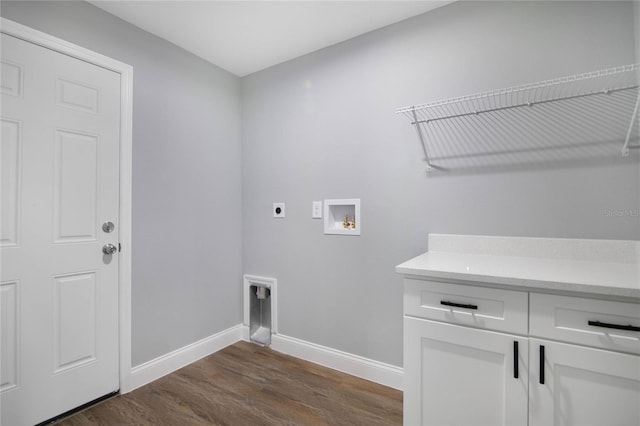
(489, 308)
(599, 323)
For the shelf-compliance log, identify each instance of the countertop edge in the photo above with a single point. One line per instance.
(523, 284)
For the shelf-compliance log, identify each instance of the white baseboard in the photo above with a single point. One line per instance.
(368, 369)
(165, 364)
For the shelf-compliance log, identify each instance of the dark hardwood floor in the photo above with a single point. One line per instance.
(245, 384)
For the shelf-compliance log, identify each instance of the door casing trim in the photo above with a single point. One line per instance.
(126, 143)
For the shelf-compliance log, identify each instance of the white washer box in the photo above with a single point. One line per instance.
(342, 217)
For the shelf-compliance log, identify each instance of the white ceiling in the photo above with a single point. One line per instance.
(247, 36)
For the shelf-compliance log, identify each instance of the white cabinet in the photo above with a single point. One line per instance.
(463, 376)
(459, 357)
(582, 386)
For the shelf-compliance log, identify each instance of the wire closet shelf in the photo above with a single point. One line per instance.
(597, 109)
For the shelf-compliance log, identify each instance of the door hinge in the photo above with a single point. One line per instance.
(119, 247)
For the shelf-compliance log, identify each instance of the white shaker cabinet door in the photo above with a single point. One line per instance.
(463, 376)
(574, 385)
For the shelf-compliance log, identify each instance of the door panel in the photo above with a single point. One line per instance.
(10, 165)
(60, 182)
(9, 338)
(462, 376)
(11, 75)
(75, 314)
(75, 191)
(76, 95)
(583, 386)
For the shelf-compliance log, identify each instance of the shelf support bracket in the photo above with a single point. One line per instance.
(421, 137)
(625, 147)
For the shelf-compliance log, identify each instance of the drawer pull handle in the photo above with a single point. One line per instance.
(458, 305)
(616, 326)
(515, 360)
(541, 364)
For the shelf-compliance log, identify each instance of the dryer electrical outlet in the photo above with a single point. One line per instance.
(278, 210)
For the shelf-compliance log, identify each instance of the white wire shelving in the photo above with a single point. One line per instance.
(586, 114)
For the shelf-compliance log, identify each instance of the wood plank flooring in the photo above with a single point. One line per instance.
(245, 384)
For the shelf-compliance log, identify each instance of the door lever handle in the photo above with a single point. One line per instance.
(109, 249)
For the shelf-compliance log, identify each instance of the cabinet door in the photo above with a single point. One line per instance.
(582, 386)
(463, 376)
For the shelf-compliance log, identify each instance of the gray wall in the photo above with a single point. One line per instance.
(636, 23)
(187, 265)
(323, 126)
(636, 9)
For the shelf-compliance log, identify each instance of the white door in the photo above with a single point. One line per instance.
(59, 170)
(583, 386)
(463, 376)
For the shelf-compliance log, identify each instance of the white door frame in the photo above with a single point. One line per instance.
(126, 109)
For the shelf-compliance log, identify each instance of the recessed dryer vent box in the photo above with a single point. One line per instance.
(342, 217)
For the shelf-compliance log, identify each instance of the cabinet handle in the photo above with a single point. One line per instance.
(541, 364)
(458, 305)
(616, 326)
(515, 360)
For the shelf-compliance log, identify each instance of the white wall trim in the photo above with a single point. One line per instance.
(126, 142)
(355, 365)
(168, 363)
(368, 369)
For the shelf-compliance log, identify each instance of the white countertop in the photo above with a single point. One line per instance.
(572, 269)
